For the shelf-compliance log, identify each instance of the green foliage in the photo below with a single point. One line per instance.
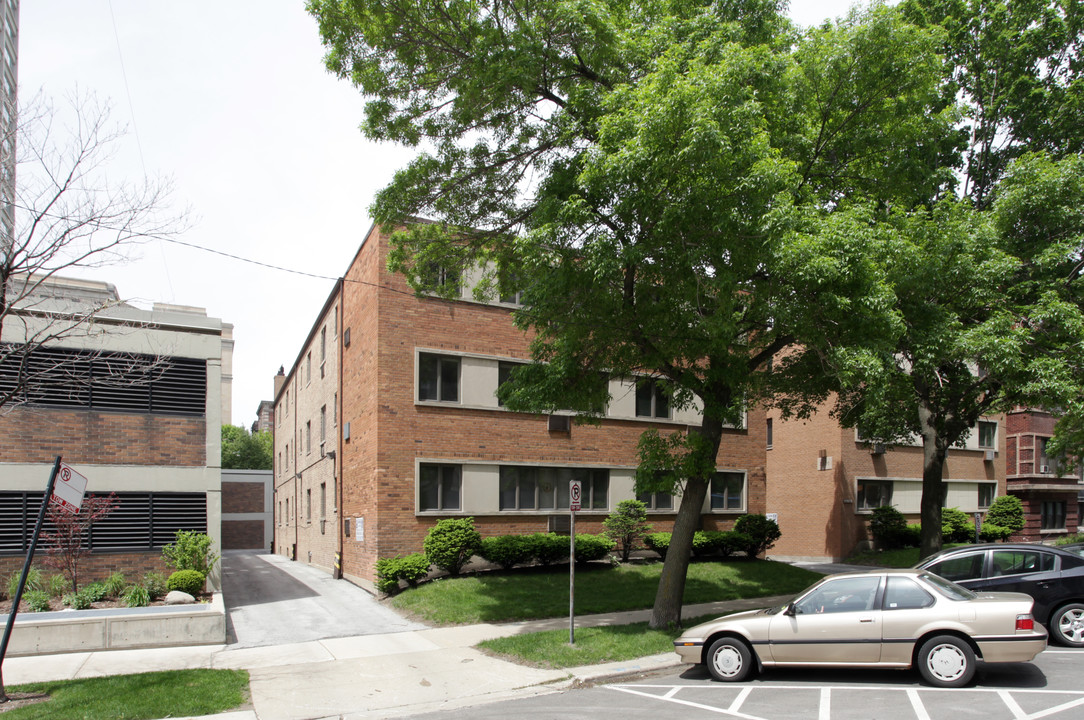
(34, 581)
(1069, 539)
(58, 585)
(155, 583)
(760, 531)
(729, 542)
(592, 547)
(1006, 511)
(659, 542)
(95, 591)
(187, 581)
(627, 525)
(548, 548)
(889, 528)
(37, 600)
(80, 600)
(956, 526)
(913, 537)
(137, 596)
(190, 551)
(506, 550)
(994, 533)
(244, 451)
(703, 544)
(115, 585)
(389, 571)
(451, 543)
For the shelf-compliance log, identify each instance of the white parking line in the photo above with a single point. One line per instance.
(825, 711)
(916, 704)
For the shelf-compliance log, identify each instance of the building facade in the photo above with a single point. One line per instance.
(132, 400)
(415, 432)
(1047, 490)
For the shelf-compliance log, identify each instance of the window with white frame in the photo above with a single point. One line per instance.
(308, 436)
(874, 494)
(987, 435)
(323, 349)
(727, 491)
(652, 399)
(504, 374)
(528, 487)
(986, 494)
(440, 276)
(1052, 515)
(439, 486)
(657, 500)
(323, 428)
(438, 377)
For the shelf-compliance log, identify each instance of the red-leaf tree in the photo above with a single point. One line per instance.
(64, 541)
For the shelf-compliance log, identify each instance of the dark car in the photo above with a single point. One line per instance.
(1054, 577)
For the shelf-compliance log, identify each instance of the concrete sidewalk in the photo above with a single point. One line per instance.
(372, 676)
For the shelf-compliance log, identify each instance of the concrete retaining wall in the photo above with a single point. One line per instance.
(119, 629)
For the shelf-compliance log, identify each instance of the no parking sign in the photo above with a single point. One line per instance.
(69, 489)
(574, 495)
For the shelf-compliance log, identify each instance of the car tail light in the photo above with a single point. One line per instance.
(1025, 622)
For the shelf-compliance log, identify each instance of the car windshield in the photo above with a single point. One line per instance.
(946, 588)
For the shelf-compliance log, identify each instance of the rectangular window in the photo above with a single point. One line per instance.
(308, 436)
(987, 435)
(727, 491)
(287, 512)
(287, 456)
(657, 500)
(308, 368)
(323, 344)
(1052, 515)
(504, 374)
(768, 434)
(439, 487)
(323, 500)
(986, 494)
(308, 504)
(874, 494)
(323, 428)
(438, 378)
(652, 399)
(440, 276)
(525, 487)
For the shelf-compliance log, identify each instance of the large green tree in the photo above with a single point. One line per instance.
(679, 188)
(242, 450)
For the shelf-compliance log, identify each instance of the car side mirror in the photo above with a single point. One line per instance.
(791, 609)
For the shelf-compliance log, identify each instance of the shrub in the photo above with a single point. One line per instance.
(913, 538)
(956, 526)
(451, 543)
(627, 525)
(1006, 511)
(389, 571)
(58, 585)
(729, 542)
(190, 551)
(37, 600)
(34, 581)
(156, 585)
(888, 527)
(137, 596)
(95, 591)
(115, 585)
(506, 550)
(189, 581)
(78, 600)
(659, 542)
(592, 547)
(761, 531)
(548, 548)
(994, 533)
(703, 543)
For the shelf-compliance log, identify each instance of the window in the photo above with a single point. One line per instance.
(323, 349)
(308, 436)
(652, 399)
(874, 494)
(525, 487)
(504, 374)
(768, 432)
(439, 487)
(1019, 562)
(308, 367)
(438, 378)
(323, 428)
(959, 567)
(842, 595)
(726, 490)
(905, 594)
(441, 277)
(323, 500)
(308, 504)
(287, 456)
(987, 435)
(657, 500)
(287, 511)
(986, 494)
(1052, 515)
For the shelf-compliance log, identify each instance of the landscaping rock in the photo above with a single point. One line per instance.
(176, 597)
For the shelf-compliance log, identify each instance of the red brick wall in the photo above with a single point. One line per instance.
(37, 435)
(242, 535)
(242, 497)
(96, 566)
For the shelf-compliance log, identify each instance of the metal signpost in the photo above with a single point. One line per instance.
(573, 508)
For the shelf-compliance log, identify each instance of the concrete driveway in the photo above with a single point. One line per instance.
(274, 601)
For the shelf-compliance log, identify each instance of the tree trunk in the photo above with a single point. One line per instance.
(934, 451)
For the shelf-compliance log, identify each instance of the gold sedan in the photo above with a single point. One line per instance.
(883, 619)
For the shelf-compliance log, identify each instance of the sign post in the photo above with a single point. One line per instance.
(573, 508)
(26, 567)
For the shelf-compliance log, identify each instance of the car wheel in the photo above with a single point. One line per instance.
(946, 661)
(730, 660)
(1067, 625)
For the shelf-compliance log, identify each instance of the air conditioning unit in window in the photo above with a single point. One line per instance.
(560, 423)
(560, 524)
(1045, 469)
(877, 449)
(989, 456)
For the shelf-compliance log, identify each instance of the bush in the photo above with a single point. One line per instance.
(156, 585)
(389, 571)
(627, 525)
(548, 548)
(888, 527)
(1006, 511)
(37, 600)
(188, 581)
(659, 542)
(956, 526)
(506, 550)
(137, 596)
(34, 581)
(729, 542)
(451, 543)
(994, 533)
(913, 538)
(592, 547)
(58, 585)
(78, 600)
(761, 532)
(190, 551)
(703, 543)
(115, 585)
(95, 591)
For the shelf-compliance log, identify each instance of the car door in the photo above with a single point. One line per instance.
(962, 568)
(1033, 571)
(837, 622)
(906, 612)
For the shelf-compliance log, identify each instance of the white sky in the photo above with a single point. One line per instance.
(230, 99)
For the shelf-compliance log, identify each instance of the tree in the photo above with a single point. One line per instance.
(627, 525)
(69, 215)
(242, 450)
(65, 540)
(679, 190)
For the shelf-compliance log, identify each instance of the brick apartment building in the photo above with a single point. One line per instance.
(1049, 494)
(388, 421)
(155, 442)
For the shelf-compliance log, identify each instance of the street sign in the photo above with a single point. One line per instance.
(68, 492)
(574, 495)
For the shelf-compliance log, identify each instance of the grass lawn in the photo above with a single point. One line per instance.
(175, 693)
(543, 593)
(903, 558)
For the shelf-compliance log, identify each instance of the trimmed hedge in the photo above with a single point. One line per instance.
(451, 543)
(761, 532)
(592, 547)
(189, 581)
(507, 550)
(548, 548)
(389, 571)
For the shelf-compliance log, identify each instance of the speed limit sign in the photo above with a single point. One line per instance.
(574, 495)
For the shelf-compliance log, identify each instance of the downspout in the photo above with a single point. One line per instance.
(297, 476)
(337, 469)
